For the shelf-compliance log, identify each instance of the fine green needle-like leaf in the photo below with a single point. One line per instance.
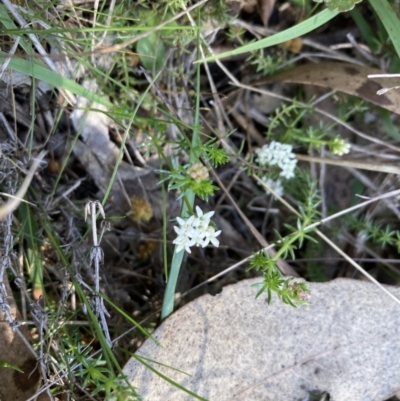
(300, 29)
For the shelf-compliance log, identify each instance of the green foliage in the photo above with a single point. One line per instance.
(236, 33)
(95, 374)
(376, 233)
(309, 198)
(152, 49)
(174, 6)
(289, 291)
(152, 53)
(214, 154)
(179, 179)
(288, 124)
(266, 64)
(261, 261)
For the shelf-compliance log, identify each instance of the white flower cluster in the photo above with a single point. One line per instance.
(195, 231)
(276, 186)
(278, 154)
(339, 147)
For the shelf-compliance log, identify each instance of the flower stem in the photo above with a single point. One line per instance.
(169, 296)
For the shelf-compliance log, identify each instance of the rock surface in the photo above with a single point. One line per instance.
(235, 347)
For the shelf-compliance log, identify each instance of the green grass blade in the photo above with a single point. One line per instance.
(130, 319)
(389, 19)
(8, 23)
(33, 254)
(159, 363)
(300, 29)
(364, 28)
(37, 71)
(166, 378)
(169, 295)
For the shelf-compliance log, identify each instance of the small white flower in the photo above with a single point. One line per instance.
(198, 237)
(204, 218)
(185, 223)
(276, 186)
(278, 154)
(183, 242)
(195, 231)
(211, 236)
(184, 231)
(288, 169)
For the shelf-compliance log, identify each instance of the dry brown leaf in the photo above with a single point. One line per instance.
(16, 386)
(235, 347)
(345, 77)
(265, 8)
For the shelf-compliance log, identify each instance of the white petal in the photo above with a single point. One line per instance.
(179, 240)
(196, 222)
(215, 242)
(205, 242)
(198, 238)
(208, 215)
(189, 221)
(199, 212)
(180, 221)
(190, 241)
(205, 221)
(177, 230)
(190, 232)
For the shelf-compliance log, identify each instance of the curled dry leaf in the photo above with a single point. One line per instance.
(345, 77)
(235, 347)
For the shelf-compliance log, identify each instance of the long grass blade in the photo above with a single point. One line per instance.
(34, 70)
(389, 19)
(166, 378)
(300, 29)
